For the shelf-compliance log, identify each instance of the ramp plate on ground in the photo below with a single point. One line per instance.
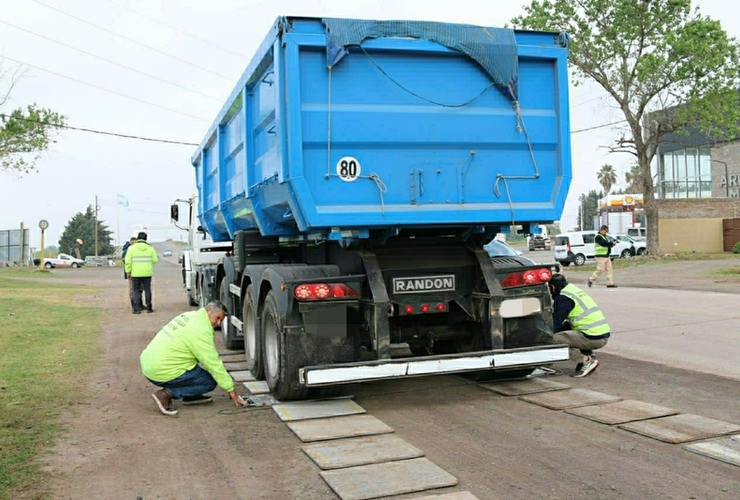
(230, 358)
(257, 386)
(232, 367)
(526, 386)
(303, 410)
(388, 479)
(681, 428)
(323, 429)
(242, 376)
(571, 398)
(622, 412)
(458, 495)
(228, 352)
(352, 452)
(725, 449)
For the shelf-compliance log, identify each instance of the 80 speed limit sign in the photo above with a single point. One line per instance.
(348, 169)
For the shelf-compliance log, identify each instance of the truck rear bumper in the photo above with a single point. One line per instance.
(500, 359)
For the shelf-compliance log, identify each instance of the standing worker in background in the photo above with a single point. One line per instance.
(129, 283)
(139, 266)
(173, 360)
(602, 250)
(578, 322)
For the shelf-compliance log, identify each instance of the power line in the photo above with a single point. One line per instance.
(108, 90)
(186, 33)
(109, 61)
(597, 127)
(132, 40)
(93, 131)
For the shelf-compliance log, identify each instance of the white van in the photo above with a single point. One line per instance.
(638, 233)
(578, 246)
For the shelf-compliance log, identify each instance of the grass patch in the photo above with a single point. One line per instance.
(49, 344)
(727, 272)
(25, 272)
(648, 260)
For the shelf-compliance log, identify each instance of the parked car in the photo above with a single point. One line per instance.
(63, 260)
(639, 247)
(498, 248)
(167, 253)
(537, 242)
(578, 246)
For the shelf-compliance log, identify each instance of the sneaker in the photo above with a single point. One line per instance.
(149, 311)
(590, 283)
(197, 400)
(613, 285)
(163, 398)
(137, 312)
(588, 367)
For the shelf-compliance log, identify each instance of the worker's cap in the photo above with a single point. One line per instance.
(141, 236)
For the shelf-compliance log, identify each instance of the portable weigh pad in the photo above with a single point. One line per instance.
(571, 398)
(231, 367)
(317, 409)
(681, 428)
(242, 376)
(387, 479)
(622, 412)
(257, 386)
(231, 358)
(725, 449)
(341, 453)
(458, 495)
(322, 429)
(525, 386)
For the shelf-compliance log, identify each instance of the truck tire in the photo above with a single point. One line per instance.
(252, 336)
(281, 378)
(191, 300)
(231, 340)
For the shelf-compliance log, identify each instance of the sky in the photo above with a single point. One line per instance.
(162, 69)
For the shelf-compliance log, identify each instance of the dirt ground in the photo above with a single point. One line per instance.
(118, 446)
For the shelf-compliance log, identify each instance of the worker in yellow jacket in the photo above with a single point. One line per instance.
(139, 267)
(182, 359)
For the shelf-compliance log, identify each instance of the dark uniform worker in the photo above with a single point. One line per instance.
(578, 322)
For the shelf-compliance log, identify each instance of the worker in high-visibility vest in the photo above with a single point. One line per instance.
(139, 267)
(603, 244)
(578, 322)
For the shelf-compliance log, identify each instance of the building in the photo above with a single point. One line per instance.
(697, 186)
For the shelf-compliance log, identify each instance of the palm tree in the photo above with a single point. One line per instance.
(632, 178)
(607, 177)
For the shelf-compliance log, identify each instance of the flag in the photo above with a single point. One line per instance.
(122, 201)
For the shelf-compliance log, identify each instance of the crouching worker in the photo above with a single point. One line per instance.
(578, 322)
(183, 361)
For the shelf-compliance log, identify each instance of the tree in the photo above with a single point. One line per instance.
(588, 209)
(607, 177)
(24, 133)
(82, 226)
(632, 178)
(664, 65)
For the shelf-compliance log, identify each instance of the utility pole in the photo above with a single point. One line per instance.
(96, 225)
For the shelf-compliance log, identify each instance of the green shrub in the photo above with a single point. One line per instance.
(736, 248)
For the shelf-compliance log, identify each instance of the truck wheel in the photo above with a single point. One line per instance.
(191, 300)
(252, 336)
(48, 265)
(231, 341)
(580, 259)
(281, 377)
(200, 295)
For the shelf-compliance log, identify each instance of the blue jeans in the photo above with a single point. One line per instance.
(191, 383)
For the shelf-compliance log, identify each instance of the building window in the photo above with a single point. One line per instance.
(685, 174)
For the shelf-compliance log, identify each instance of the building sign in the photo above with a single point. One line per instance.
(731, 183)
(620, 201)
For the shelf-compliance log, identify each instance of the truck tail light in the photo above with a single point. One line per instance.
(527, 278)
(322, 291)
(425, 308)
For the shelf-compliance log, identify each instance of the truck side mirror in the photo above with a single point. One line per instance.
(174, 213)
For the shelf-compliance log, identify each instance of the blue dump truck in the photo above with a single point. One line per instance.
(358, 169)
